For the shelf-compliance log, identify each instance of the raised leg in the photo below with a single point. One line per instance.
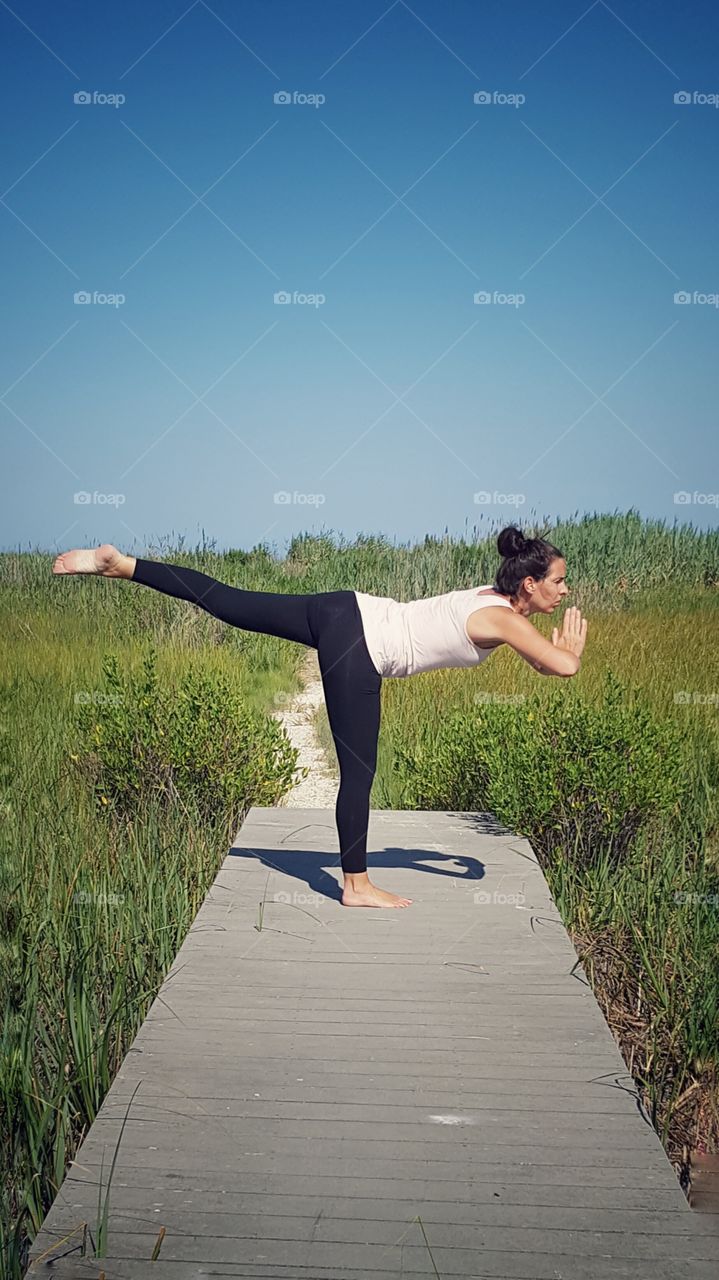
(274, 613)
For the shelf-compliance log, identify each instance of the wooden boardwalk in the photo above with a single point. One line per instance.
(378, 1095)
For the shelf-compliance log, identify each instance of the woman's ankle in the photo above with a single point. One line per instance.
(356, 879)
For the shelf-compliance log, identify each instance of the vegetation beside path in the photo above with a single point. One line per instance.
(136, 733)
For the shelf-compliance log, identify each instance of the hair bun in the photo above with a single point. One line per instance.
(511, 542)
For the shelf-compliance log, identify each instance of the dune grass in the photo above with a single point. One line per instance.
(94, 906)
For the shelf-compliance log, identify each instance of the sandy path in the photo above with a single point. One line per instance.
(319, 789)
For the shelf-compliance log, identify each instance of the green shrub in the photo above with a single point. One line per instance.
(197, 743)
(562, 770)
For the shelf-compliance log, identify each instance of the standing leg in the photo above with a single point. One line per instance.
(352, 688)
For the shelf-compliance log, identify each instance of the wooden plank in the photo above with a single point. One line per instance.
(308, 1089)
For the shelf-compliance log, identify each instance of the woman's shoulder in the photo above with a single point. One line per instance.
(488, 595)
(485, 618)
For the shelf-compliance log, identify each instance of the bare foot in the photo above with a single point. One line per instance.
(105, 560)
(368, 895)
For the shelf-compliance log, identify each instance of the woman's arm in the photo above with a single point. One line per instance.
(560, 657)
(543, 671)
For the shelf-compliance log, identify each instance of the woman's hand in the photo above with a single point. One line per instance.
(574, 632)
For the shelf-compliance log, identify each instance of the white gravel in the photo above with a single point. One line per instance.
(319, 789)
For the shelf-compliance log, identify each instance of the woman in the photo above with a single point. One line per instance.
(361, 639)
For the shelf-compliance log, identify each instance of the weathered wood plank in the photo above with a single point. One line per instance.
(309, 1088)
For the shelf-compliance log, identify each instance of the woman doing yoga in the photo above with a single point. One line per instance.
(361, 639)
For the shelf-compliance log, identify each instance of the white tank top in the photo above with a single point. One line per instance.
(404, 639)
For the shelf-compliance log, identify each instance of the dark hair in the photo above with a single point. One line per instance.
(521, 558)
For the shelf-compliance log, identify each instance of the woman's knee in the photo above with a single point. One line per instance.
(357, 770)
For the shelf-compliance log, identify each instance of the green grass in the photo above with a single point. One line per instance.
(93, 908)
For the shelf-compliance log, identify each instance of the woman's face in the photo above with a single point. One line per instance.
(552, 589)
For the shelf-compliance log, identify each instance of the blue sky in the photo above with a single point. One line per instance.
(381, 198)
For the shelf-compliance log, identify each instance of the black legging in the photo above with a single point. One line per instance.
(331, 623)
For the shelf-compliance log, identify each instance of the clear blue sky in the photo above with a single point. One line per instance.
(389, 405)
